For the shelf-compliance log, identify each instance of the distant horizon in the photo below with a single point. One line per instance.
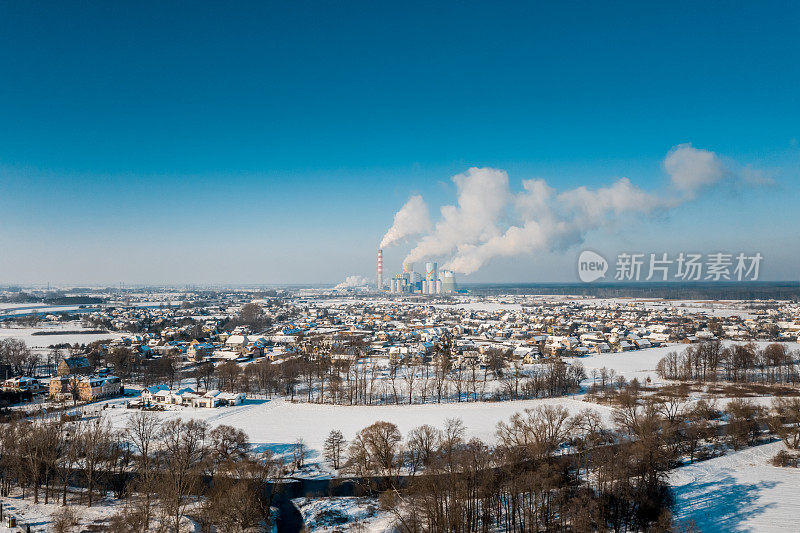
(522, 284)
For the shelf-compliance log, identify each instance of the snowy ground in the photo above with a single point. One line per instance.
(641, 364)
(741, 491)
(39, 516)
(277, 424)
(53, 337)
(17, 309)
(328, 515)
(718, 308)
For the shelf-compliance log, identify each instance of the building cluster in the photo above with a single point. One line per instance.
(524, 328)
(163, 396)
(529, 328)
(434, 281)
(74, 380)
(476, 330)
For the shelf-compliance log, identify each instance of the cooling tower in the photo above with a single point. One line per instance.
(448, 281)
(430, 271)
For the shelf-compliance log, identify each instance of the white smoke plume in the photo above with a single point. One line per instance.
(483, 195)
(550, 220)
(411, 220)
(352, 281)
(489, 220)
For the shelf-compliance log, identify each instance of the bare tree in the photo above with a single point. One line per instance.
(94, 437)
(333, 448)
(376, 450)
(299, 453)
(422, 444)
(785, 421)
(142, 430)
(183, 446)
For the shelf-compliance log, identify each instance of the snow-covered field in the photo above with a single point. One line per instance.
(40, 516)
(741, 491)
(641, 364)
(53, 337)
(9, 309)
(328, 515)
(277, 424)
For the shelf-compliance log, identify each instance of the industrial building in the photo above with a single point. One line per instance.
(410, 282)
(434, 281)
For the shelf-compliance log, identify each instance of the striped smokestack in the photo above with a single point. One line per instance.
(380, 269)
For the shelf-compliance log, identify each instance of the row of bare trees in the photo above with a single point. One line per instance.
(20, 358)
(710, 361)
(551, 471)
(43, 456)
(161, 471)
(359, 380)
(523, 483)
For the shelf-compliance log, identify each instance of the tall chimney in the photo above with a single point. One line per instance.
(380, 269)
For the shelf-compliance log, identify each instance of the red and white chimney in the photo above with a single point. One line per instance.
(380, 269)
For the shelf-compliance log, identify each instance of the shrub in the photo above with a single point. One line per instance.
(786, 459)
(64, 520)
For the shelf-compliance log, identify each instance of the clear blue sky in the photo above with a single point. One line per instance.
(272, 142)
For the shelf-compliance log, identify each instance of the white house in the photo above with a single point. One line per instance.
(231, 398)
(149, 393)
(208, 399)
(237, 342)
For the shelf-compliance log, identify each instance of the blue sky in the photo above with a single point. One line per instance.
(272, 142)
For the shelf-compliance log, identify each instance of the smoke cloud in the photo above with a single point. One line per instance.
(352, 282)
(550, 220)
(691, 168)
(411, 220)
(483, 195)
(489, 220)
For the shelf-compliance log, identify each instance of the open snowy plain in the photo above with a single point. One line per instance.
(50, 334)
(277, 424)
(740, 491)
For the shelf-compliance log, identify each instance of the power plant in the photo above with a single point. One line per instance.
(411, 282)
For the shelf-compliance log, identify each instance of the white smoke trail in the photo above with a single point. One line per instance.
(411, 220)
(550, 220)
(352, 282)
(491, 221)
(483, 195)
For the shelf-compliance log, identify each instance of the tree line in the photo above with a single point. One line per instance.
(552, 471)
(160, 471)
(546, 470)
(739, 363)
(362, 380)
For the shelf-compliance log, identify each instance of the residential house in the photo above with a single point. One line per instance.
(21, 384)
(74, 365)
(86, 388)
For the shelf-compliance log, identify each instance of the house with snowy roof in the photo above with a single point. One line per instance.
(149, 393)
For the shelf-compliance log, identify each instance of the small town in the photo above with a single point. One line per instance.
(214, 337)
(129, 358)
(419, 267)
